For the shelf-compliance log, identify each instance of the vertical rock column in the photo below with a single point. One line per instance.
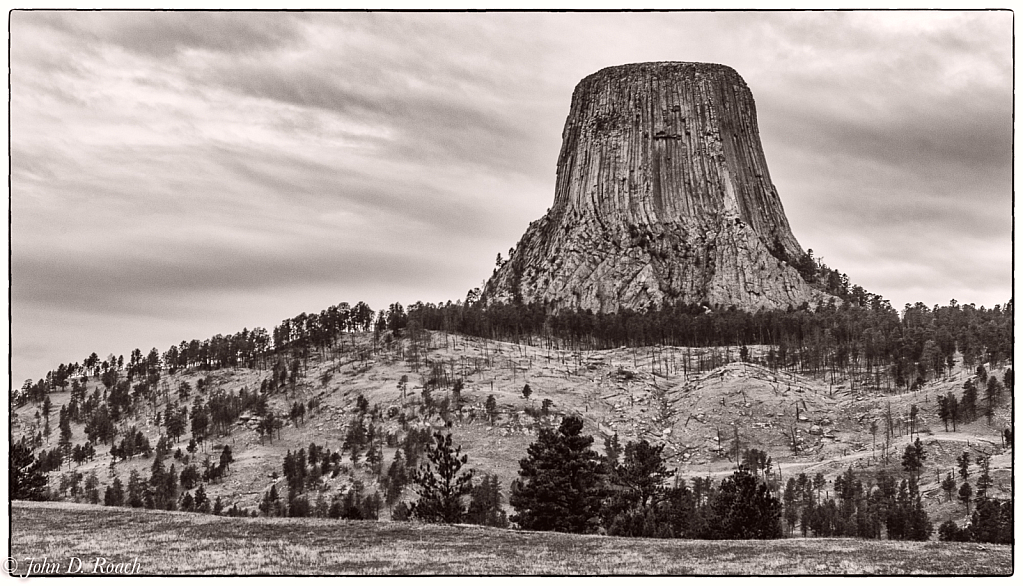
(662, 195)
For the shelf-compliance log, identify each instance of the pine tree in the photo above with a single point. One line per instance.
(949, 531)
(984, 481)
(969, 402)
(612, 451)
(136, 490)
(202, 502)
(636, 486)
(966, 495)
(226, 458)
(92, 488)
(440, 483)
(270, 505)
(919, 525)
(113, 496)
(954, 411)
(986, 521)
(642, 472)
(913, 458)
(964, 464)
(491, 407)
(948, 485)
(26, 481)
(746, 509)
(559, 486)
(818, 484)
(789, 498)
(157, 483)
(992, 397)
(397, 477)
(375, 458)
(456, 394)
(943, 413)
(485, 503)
(982, 374)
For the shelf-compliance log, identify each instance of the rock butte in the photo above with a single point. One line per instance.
(662, 196)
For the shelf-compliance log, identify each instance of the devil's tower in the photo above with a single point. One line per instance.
(662, 195)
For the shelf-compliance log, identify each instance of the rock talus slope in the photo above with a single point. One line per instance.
(662, 195)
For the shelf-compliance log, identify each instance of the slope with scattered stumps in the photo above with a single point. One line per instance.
(696, 401)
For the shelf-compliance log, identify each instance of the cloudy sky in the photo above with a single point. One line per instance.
(179, 175)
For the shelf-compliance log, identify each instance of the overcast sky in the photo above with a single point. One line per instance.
(179, 175)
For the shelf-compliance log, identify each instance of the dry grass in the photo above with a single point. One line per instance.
(190, 544)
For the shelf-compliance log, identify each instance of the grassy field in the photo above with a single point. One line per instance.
(191, 544)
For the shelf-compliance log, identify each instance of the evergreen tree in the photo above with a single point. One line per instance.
(984, 481)
(375, 458)
(949, 531)
(790, 502)
(964, 464)
(226, 458)
(92, 488)
(157, 481)
(559, 486)
(485, 503)
(26, 481)
(969, 402)
(612, 451)
(966, 495)
(491, 407)
(271, 503)
(136, 490)
(913, 458)
(948, 485)
(636, 486)
(113, 496)
(986, 523)
(954, 410)
(456, 394)
(642, 473)
(746, 509)
(992, 397)
(202, 502)
(189, 477)
(440, 483)
(397, 477)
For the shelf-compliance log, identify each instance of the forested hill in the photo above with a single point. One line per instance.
(899, 350)
(332, 413)
(906, 349)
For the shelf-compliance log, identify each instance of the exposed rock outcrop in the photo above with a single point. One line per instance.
(662, 195)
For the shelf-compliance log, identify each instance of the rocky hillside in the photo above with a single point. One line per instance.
(697, 401)
(662, 195)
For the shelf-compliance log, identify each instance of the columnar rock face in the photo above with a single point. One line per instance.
(662, 195)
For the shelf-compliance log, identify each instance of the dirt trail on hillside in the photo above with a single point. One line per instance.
(796, 467)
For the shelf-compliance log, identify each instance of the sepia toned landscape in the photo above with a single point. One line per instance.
(659, 377)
